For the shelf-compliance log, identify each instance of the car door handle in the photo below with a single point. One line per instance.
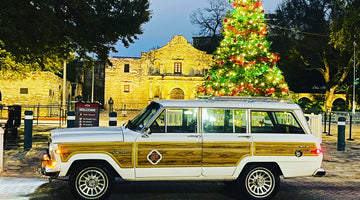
(195, 136)
(244, 136)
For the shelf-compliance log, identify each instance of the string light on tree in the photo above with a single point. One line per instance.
(244, 66)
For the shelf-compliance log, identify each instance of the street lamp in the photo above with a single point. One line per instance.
(353, 104)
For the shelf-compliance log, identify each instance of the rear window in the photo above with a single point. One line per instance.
(274, 122)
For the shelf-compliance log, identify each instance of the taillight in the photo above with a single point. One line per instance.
(316, 151)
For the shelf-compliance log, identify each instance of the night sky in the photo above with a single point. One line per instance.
(170, 18)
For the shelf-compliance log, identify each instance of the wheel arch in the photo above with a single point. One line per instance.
(270, 165)
(95, 162)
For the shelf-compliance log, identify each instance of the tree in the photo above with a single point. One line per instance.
(245, 66)
(10, 68)
(301, 33)
(209, 21)
(345, 37)
(34, 30)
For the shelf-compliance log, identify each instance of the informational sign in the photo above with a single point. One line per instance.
(87, 114)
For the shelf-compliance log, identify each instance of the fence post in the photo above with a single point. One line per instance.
(124, 112)
(28, 129)
(38, 114)
(325, 122)
(112, 119)
(341, 134)
(1, 150)
(71, 119)
(60, 117)
(329, 133)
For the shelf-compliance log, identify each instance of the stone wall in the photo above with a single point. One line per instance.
(175, 68)
(44, 88)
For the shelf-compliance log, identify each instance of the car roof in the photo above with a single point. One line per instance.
(233, 102)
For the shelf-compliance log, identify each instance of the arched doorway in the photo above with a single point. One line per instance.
(339, 105)
(177, 93)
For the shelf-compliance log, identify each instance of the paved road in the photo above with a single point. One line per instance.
(293, 189)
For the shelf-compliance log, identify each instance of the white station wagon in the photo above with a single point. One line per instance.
(249, 142)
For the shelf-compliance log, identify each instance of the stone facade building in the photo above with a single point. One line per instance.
(173, 71)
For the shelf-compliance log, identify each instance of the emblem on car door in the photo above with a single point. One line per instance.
(154, 157)
(298, 153)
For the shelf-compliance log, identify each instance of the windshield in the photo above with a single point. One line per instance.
(143, 117)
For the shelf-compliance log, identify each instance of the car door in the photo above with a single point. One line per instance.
(173, 147)
(226, 140)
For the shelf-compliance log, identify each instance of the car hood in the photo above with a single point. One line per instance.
(88, 134)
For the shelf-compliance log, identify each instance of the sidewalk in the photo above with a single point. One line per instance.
(9, 185)
(338, 164)
(342, 164)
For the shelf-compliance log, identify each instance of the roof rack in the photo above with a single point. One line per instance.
(246, 99)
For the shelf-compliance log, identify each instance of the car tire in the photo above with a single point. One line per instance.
(259, 182)
(91, 182)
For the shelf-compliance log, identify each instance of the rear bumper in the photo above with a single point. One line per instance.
(319, 172)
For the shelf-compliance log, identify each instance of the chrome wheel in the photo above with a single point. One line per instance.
(91, 183)
(260, 182)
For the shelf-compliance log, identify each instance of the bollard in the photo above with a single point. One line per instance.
(71, 119)
(1, 150)
(341, 134)
(28, 129)
(113, 119)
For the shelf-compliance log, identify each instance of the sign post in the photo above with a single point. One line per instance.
(1, 150)
(87, 114)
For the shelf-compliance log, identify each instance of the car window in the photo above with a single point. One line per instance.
(158, 126)
(274, 122)
(240, 121)
(181, 120)
(143, 117)
(223, 121)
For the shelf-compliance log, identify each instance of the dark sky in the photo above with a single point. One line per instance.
(170, 18)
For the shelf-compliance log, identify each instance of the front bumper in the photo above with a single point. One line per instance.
(48, 166)
(49, 173)
(319, 172)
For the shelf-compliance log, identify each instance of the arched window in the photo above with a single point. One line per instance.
(177, 93)
(157, 92)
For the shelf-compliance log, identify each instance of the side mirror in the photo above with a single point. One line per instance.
(146, 132)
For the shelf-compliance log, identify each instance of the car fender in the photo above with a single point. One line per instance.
(125, 173)
(254, 159)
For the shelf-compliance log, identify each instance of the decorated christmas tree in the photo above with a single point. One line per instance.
(244, 64)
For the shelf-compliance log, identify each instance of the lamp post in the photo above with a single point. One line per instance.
(64, 87)
(353, 103)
